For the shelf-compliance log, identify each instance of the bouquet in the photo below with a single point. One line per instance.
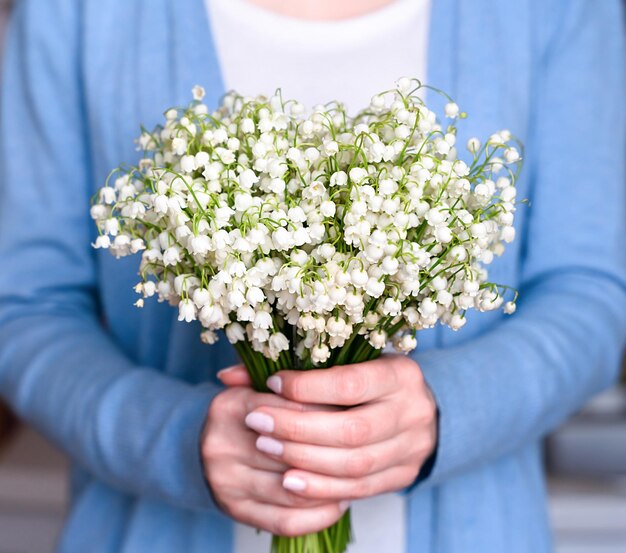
(314, 239)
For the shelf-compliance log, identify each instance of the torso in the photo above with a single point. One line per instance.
(138, 58)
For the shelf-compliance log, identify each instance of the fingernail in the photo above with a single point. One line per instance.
(344, 506)
(275, 384)
(260, 422)
(227, 369)
(269, 445)
(294, 484)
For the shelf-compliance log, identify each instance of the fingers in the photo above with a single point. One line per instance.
(318, 486)
(267, 487)
(222, 448)
(352, 428)
(236, 375)
(255, 459)
(340, 462)
(284, 521)
(344, 385)
(231, 405)
(225, 437)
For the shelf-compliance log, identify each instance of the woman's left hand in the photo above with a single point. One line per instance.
(377, 442)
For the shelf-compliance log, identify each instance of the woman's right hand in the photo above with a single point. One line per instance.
(247, 484)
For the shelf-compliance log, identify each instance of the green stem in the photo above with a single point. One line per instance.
(331, 540)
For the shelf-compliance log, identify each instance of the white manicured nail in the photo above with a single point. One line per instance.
(269, 445)
(275, 384)
(260, 422)
(294, 484)
(226, 370)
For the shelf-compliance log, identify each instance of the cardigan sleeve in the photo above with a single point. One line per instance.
(130, 426)
(515, 383)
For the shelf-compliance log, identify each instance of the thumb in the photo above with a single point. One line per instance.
(237, 375)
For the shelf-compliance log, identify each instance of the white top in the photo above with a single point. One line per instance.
(314, 62)
(317, 61)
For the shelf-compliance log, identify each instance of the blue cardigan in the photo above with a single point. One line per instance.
(124, 391)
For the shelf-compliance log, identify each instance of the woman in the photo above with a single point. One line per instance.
(161, 451)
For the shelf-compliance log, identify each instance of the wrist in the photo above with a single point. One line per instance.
(429, 464)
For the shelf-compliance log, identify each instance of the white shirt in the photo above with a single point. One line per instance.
(314, 62)
(317, 61)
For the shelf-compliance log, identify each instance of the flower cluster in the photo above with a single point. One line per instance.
(305, 231)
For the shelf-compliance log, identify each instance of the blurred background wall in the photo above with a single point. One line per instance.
(4, 12)
(586, 460)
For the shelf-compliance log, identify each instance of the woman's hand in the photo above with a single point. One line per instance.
(377, 444)
(246, 483)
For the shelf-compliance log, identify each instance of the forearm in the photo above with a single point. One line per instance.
(131, 427)
(519, 381)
